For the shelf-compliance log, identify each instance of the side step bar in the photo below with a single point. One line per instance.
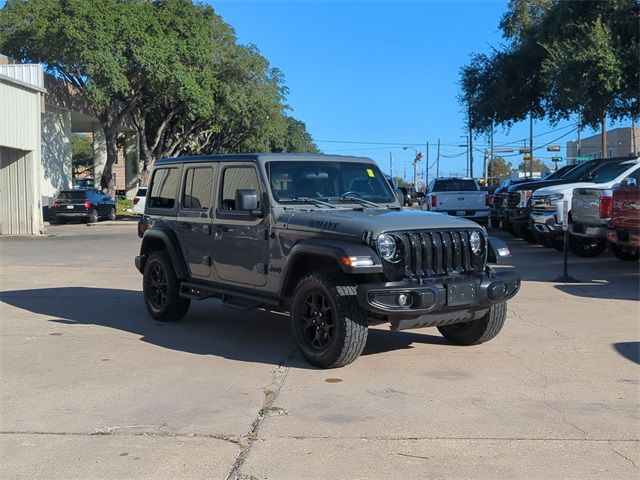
(243, 301)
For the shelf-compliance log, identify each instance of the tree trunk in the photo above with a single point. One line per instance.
(106, 182)
(603, 140)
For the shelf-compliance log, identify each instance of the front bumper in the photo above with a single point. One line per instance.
(517, 215)
(545, 223)
(437, 301)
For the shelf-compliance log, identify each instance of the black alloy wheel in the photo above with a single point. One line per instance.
(586, 247)
(93, 216)
(158, 287)
(112, 214)
(317, 321)
(327, 323)
(161, 289)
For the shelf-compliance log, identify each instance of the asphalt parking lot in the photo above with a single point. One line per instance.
(93, 388)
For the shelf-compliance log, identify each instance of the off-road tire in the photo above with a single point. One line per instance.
(477, 331)
(495, 222)
(112, 214)
(625, 253)
(349, 327)
(93, 216)
(586, 247)
(173, 307)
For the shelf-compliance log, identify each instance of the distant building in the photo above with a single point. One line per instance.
(38, 114)
(621, 142)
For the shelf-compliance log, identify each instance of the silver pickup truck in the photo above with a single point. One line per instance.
(590, 213)
(460, 197)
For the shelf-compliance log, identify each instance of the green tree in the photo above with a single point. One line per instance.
(499, 167)
(560, 58)
(294, 138)
(81, 154)
(534, 165)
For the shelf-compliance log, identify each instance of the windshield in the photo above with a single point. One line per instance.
(455, 186)
(609, 172)
(328, 181)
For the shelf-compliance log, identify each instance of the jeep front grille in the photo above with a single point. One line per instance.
(432, 253)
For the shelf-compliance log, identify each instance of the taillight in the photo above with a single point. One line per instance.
(606, 207)
(136, 200)
(489, 200)
(434, 201)
(87, 204)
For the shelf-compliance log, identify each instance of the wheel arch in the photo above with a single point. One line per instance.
(163, 239)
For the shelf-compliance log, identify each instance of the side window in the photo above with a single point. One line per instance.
(164, 188)
(233, 179)
(198, 189)
(634, 177)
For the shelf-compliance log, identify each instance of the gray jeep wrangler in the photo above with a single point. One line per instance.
(323, 238)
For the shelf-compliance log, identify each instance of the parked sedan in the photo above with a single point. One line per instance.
(85, 204)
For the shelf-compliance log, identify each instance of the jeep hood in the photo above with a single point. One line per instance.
(355, 222)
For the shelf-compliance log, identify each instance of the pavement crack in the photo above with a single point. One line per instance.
(120, 431)
(522, 319)
(278, 376)
(622, 455)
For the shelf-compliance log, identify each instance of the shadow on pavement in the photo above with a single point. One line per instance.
(629, 350)
(601, 277)
(208, 329)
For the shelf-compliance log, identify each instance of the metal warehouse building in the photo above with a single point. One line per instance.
(21, 107)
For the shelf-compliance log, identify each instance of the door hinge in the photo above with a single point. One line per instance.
(261, 267)
(266, 234)
(206, 260)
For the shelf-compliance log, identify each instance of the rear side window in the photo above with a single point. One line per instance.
(164, 188)
(235, 178)
(142, 192)
(198, 189)
(72, 195)
(455, 186)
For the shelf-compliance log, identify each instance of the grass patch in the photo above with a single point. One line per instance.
(123, 205)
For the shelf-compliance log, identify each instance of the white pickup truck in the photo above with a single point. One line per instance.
(547, 215)
(460, 197)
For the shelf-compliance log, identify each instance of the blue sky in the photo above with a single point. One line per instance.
(380, 72)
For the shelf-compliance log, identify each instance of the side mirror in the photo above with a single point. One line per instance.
(247, 201)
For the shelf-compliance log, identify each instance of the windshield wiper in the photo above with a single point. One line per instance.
(313, 201)
(361, 201)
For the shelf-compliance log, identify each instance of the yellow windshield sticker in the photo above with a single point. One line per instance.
(370, 172)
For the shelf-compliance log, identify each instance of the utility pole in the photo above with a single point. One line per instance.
(603, 143)
(491, 155)
(391, 165)
(404, 174)
(438, 161)
(426, 166)
(470, 146)
(633, 138)
(579, 144)
(530, 145)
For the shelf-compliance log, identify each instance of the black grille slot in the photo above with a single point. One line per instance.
(513, 199)
(498, 199)
(436, 253)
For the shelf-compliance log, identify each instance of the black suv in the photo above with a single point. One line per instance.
(85, 204)
(323, 238)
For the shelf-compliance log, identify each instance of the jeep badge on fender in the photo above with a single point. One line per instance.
(323, 238)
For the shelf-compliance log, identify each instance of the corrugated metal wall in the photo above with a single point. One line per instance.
(19, 117)
(17, 193)
(32, 74)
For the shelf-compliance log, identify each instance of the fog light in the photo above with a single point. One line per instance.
(497, 290)
(404, 300)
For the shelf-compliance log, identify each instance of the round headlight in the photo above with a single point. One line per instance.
(387, 247)
(476, 243)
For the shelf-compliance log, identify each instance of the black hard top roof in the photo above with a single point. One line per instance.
(255, 157)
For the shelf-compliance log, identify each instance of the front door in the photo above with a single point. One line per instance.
(239, 243)
(194, 218)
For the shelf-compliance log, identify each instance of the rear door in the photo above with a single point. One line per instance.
(195, 216)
